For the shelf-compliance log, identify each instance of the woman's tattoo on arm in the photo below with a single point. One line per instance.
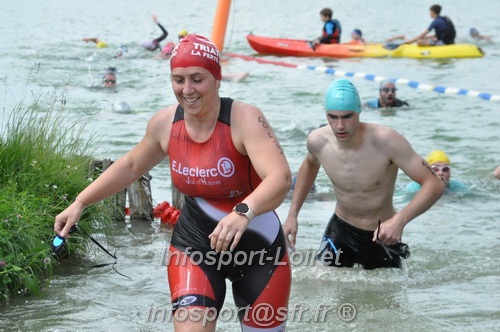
(275, 140)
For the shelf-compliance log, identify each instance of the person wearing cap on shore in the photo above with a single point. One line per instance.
(154, 44)
(357, 37)
(362, 161)
(387, 96)
(227, 161)
(441, 165)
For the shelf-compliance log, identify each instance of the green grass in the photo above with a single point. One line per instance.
(43, 166)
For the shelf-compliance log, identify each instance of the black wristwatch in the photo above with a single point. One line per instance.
(244, 210)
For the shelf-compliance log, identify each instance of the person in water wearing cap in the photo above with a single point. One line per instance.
(109, 78)
(166, 51)
(362, 161)
(182, 34)
(441, 165)
(387, 96)
(154, 44)
(98, 43)
(121, 52)
(474, 33)
(227, 161)
(357, 37)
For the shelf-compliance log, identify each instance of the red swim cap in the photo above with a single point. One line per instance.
(197, 51)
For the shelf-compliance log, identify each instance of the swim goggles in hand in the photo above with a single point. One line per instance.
(58, 241)
(399, 249)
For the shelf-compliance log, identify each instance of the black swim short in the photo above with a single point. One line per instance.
(344, 245)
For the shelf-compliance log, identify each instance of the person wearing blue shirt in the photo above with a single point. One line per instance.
(442, 25)
(441, 165)
(387, 97)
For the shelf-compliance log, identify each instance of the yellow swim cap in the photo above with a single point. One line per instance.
(437, 156)
(101, 45)
(183, 33)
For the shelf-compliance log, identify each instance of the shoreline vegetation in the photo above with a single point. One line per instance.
(44, 164)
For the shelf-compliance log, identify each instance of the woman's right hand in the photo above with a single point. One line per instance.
(66, 219)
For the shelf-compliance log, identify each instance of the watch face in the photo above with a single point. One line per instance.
(241, 208)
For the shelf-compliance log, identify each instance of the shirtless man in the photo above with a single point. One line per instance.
(362, 161)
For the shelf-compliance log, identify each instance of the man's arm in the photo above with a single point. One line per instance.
(420, 36)
(403, 155)
(388, 40)
(305, 178)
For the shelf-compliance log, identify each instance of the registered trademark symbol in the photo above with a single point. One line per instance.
(347, 312)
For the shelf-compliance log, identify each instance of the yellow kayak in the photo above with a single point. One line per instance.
(425, 52)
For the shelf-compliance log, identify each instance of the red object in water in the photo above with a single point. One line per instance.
(174, 217)
(167, 213)
(165, 217)
(160, 209)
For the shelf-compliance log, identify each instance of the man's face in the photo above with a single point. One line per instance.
(388, 94)
(343, 123)
(109, 81)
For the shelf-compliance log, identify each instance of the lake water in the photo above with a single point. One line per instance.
(451, 282)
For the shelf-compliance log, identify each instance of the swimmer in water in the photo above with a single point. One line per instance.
(387, 96)
(109, 78)
(154, 44)
(441, 165)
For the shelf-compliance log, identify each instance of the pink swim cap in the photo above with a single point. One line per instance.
(197, 51)
(166, 49)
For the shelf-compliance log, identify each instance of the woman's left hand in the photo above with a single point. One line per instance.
(230, 228)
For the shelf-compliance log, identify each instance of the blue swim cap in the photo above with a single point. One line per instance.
(342, 95)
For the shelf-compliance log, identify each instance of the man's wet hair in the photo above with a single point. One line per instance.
(436, 9)
(326, 12)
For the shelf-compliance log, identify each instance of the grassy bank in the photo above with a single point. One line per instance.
(43, 167)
